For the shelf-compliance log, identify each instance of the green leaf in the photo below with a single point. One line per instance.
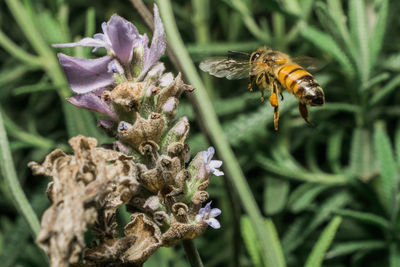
(385, 90)
(333, 203)
(317, 254)
(303, 196)
(34, 88)
(12, 182)
(275, 195)
(397, 144)
(387, 165)
(325, 42)
(292, 172)
(394, 255)
(362, 160)
(392, 62)
(290, 239)
(50, 28)
(90, 21)
(292, 7)
(346, 248)
(249, 238)
(306, 7)
(376, 39)
(246, 126)
(336, 13)
(8, 75)
(305, 228)
(365, 217)
(375, 80)
(359, 34)
(333, 151)
(275, 245)
(340, 107)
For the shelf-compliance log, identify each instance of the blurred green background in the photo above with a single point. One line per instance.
(329, 193)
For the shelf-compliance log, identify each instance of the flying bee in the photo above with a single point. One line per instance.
(271, 70)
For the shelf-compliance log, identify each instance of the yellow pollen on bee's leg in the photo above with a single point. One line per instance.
(273, 99)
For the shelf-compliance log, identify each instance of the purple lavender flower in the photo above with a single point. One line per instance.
(129, 58)
(208, 215)
(211, 165)
(121, 39)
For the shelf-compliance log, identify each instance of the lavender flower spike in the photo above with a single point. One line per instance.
(211, 165)
(208, 215)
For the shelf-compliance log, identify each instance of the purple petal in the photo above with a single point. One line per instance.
(84, 42)
(217, 172)
(106, 124)
(99, 91)
(204, 157)
(92, 102)
(115, 67)
(122, 35)
(215, 212)
(158, 45)
(214, 164)
(207, 207)
(169, 105)
(202, 213)
(214, 223)
(121, 147)
(85, 75)
(210, 152)
(166, 79)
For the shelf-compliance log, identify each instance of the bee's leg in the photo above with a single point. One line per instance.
(304, 113)
(281, 96)
(250, 85)
(273, 99)
(261, 83)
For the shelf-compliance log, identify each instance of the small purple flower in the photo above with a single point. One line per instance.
(208, 215)
(123, 127)
(211, 165)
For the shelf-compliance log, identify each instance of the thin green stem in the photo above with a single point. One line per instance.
(192, 253)
(28, 138)
(217, 136)
(10, 177)
(17, 52)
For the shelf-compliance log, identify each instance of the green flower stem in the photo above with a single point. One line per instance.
(217, 136)
(192, 253)
(10, 177)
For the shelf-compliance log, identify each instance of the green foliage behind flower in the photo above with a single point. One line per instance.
(329, 193)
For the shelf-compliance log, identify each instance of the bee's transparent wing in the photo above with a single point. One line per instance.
(309, 63)
(226, 67)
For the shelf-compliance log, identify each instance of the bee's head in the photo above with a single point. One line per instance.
(314, 97)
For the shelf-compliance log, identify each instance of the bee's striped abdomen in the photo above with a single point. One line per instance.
(291, 75)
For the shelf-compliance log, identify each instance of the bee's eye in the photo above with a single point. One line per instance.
(255, 56)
